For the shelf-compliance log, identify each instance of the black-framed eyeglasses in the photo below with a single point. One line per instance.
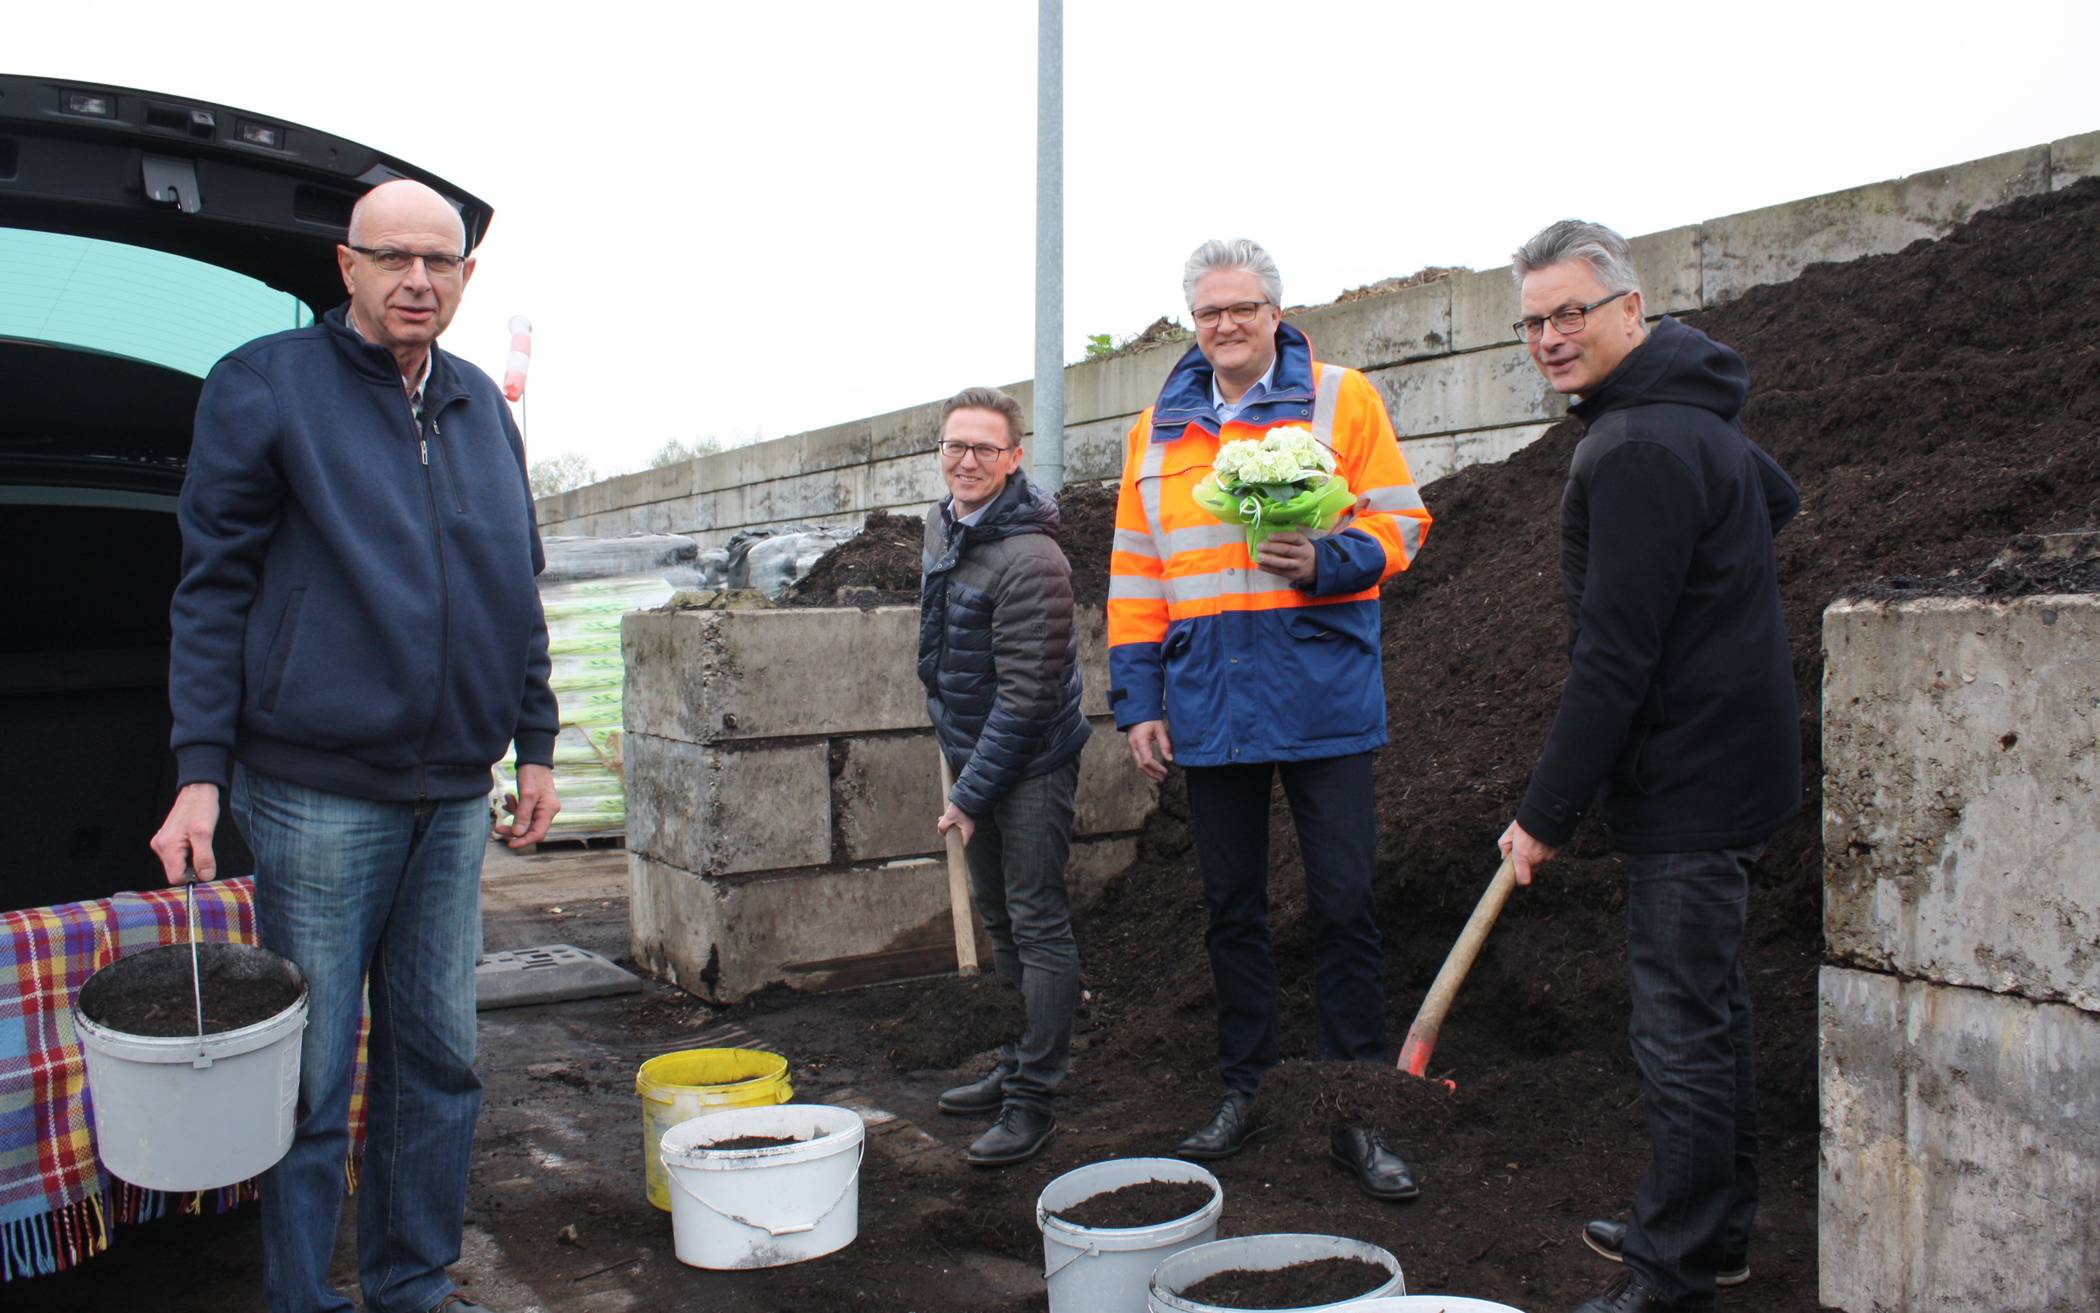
(1242, 312)
(1568, 319)
(984, 452)
(396, 261)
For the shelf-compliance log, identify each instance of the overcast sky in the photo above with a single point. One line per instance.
(745, 220)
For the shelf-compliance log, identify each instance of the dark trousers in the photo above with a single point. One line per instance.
(1332, 808)
(1692, 1043)
(1017, 875)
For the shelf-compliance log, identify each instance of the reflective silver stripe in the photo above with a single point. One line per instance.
(1403, 498)
(1148, 480)
(1224, 583)
(1324, 404)
(1136, 588)
(1137, 544)
(1410, 535)
(1204, 536)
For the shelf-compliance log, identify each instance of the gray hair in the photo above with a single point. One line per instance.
(991, 399)
(1597, 246)
(1239, 253)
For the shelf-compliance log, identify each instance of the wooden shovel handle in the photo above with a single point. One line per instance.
(1421, 1037)
(959, 909)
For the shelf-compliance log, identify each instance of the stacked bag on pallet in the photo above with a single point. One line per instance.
(588, 585)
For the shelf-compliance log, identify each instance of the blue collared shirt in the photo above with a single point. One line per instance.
(1229, 410)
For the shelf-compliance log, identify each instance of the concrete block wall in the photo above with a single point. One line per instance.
(1961, 999)
(1459, 389)
(782, 783)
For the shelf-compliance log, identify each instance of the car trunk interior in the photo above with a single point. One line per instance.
(92, 555)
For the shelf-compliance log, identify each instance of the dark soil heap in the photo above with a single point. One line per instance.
(878, 565)
(1933, 405)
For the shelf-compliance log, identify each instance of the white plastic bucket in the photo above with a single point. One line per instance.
(768, 1206)
(179, 1113)
(1430, 1304)
(1262, 1253)
(1100, 1269)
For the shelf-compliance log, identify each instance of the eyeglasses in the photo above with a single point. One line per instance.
(1242, 312)
(984, 452)
(397, 261)
(1568, 319)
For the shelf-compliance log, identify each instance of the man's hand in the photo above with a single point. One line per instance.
(955, 818)
(1524, 852)
(184, 840)
(1151, 749)
(532, 809)
(1290, 555)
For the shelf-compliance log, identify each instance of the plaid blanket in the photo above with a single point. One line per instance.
(57, 1204)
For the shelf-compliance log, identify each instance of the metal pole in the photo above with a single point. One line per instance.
(1049, 464)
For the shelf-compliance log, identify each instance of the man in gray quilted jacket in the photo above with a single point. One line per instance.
(999, 656)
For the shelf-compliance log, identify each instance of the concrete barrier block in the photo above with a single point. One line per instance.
(715, 676)
(2072, 158)
(1668, 265)
(913, 480)
(1484, 304)
(1774, 244)
(1092, 620)
(1110, 389)
(885, 794)
(726, 938)
(1094, 451)
(1960, 1149)
(1114, 796)
(1385, 329)
(912, 431)
(721, 808)
(1094, 862)
(801, 496)
(1961, 792)
(1457, 394)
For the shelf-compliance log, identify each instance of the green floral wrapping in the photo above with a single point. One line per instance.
(1311, 507)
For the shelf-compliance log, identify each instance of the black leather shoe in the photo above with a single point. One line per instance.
(1232, 1128)
(1609, 1240)
(1379, 1171)
(982, 1095)
(1625, 1294)
(1018, 1135)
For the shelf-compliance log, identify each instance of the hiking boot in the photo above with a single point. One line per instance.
(1609, 1240)
(1625, 1294)
(1231, 1128)
(1379, 1171)
(1018, 1135)
(984, 1094)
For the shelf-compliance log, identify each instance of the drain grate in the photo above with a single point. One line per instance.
(553, 974)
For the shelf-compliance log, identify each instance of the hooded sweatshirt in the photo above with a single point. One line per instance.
(357, 611)
(1679, 706)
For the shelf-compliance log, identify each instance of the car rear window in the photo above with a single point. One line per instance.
(133, 302)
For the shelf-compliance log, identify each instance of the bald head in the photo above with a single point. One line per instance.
(405, 308)
(405, 199)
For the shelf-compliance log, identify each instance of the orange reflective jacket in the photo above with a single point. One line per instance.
(1242, 665)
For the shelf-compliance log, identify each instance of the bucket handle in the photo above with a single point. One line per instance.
(189, 888)
(774, 1231)
(1091, 1251)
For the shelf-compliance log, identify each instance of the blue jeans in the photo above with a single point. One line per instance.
(351, 889)
(1692, 1043)
(1017, 875)
(1337, 821)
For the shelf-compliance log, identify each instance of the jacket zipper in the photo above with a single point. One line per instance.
(437, 547)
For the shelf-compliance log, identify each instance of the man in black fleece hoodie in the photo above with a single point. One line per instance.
(357, 639)
(1679, 713)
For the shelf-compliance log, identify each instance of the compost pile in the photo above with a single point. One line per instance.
(1934, 405)
(879, 565)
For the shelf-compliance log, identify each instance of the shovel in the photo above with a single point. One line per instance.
(1421, 1037)
(958, 885)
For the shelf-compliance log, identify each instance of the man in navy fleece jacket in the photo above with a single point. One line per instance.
(1679, 712)
(357, 637)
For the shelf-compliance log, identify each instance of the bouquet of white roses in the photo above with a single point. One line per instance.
(1283, 480)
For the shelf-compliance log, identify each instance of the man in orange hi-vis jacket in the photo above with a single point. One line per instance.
(1240, 667)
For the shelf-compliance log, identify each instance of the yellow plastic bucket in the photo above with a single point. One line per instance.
(694, 1082)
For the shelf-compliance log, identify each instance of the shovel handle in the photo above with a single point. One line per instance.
(1421, 1037)
(959, 908)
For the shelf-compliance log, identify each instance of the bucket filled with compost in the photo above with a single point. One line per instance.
(193, 1062)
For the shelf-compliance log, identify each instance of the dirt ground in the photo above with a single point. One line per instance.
(1934, 405)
